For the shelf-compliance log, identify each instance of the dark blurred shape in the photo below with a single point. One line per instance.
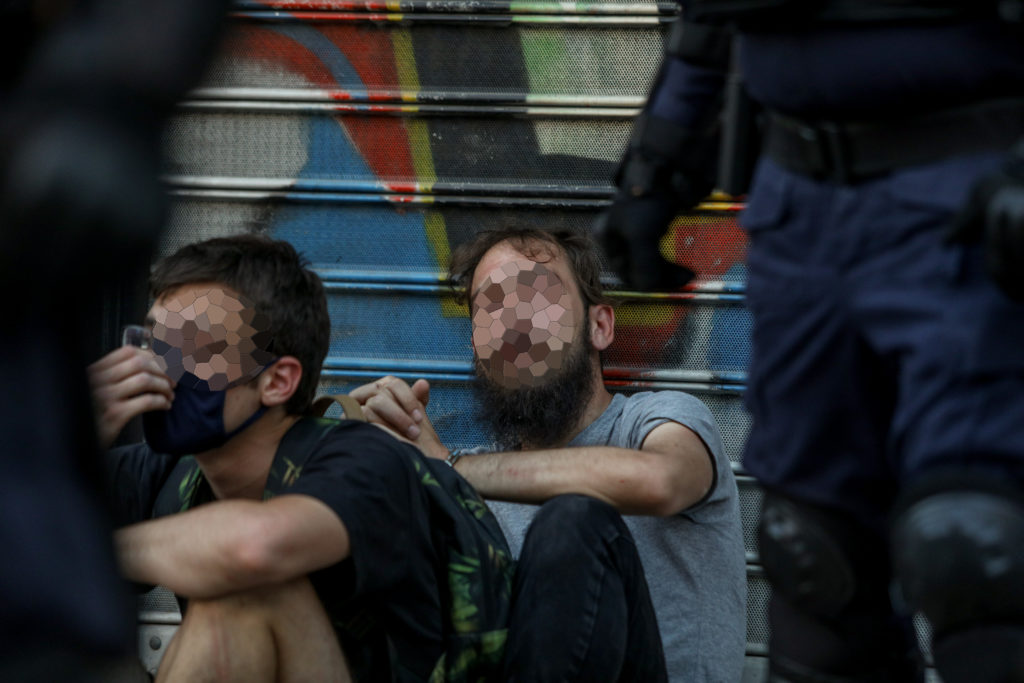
(86, 88)
(671, 162)
(664, 170)
(886, 376)
(994, 215)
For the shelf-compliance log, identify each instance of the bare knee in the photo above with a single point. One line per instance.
(270, 597)
(280, 628)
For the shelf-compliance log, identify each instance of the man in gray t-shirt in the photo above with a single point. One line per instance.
(540, 323)
(694, 559)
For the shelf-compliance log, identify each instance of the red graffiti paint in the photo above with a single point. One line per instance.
(405, 188)
(324, 5)
(257, 44)
(382, 142)
(710, 245)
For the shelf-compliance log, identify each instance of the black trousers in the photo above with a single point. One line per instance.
(581, 609)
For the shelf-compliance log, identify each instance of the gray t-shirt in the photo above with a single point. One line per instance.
(694, 561)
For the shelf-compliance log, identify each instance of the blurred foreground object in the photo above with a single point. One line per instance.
(994, 215)
(886, 377)
(86, 91)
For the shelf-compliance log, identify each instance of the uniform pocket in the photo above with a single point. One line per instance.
(943, 187)
(769, 197)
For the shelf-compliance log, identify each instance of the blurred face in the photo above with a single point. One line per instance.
(209, 337)
(210, 341)
(530, 339)
(526, 319)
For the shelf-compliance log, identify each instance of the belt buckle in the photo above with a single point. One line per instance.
(828, 151)
(837, 151)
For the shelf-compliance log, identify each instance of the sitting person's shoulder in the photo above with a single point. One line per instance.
(667, 403)
(350, 437)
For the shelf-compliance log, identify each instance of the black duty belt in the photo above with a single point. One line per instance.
(852, 152)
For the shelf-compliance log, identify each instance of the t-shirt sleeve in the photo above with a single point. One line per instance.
(134, 476)
(370, 480)
(649, 410)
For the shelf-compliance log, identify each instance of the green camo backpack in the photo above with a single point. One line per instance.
(475, 602)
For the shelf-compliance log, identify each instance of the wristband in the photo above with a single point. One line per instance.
(452, 458)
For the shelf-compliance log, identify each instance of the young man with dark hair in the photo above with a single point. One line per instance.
(540, 323)
(306, 549)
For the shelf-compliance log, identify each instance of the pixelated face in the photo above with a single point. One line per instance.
(523, 323)
(210, 337)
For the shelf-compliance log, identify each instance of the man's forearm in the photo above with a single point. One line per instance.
(202, 553)
(634, 482)
(233, 545)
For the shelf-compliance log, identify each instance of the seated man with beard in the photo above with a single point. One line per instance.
(540, 322)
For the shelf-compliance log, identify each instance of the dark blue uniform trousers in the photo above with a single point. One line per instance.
(882, 354)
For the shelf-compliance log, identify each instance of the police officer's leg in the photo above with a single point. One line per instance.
(820, 397)
(581, 610)
(958, 557)
(958, 531)
(830, 613)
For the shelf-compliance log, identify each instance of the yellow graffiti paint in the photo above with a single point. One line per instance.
(645, 315)
(416, 129)
(423, 164)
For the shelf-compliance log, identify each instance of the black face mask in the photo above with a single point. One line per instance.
(542, 415)
(195, 421)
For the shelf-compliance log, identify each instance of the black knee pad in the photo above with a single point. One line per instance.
(830, 612)
(958, 557)
(802, 555)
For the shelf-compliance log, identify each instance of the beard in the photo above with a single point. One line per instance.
(540, 416)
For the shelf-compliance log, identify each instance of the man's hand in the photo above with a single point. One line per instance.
(630, 232)
(125, 383)
(666, 168)
(391, 402)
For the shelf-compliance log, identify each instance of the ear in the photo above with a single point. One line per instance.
(602, 326)
(280, 381)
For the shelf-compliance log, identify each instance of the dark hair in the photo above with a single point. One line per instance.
(580, 253)
(272, 275)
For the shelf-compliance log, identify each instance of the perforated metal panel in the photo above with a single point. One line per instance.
(407, 233)
(750, 513)
(923, 629)
(472, 58)
(520, 153)
(758, 594)
(158, 600)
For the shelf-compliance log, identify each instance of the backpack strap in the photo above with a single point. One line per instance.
(348, 404)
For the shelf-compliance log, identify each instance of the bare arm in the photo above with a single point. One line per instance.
(233, 545)
(671, 471)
